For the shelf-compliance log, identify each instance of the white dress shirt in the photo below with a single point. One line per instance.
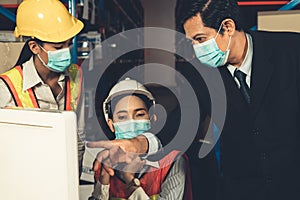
(246, 64)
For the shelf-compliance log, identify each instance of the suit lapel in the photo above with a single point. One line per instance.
(262, 70)
(234, 96)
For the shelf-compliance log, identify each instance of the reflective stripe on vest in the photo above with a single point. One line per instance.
(73, 87)
(14, 81)
(27, 99)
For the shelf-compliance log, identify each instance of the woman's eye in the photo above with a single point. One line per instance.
(122, 117)
(199, 39)
(140, 114)
(58, 47)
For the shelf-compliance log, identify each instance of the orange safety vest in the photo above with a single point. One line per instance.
(27, 99)
(152, 180)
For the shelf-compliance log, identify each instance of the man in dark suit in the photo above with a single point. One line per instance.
(261, 75)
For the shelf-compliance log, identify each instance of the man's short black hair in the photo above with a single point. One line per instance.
(212, 12)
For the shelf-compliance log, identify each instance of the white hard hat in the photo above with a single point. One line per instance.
(126, 86)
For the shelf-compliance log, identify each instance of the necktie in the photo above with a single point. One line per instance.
(243, 85)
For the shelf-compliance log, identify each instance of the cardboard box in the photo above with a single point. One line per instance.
(279, 20)
(8, 36)
(9, 54)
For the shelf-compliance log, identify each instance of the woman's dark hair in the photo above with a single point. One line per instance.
(111, 106)
(212, 12)
(26, 53)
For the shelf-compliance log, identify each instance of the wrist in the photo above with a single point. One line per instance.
(133, 184)
(141, 143)
(127, 177)
(104, 180)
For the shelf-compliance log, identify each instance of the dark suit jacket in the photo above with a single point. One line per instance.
(260, 143)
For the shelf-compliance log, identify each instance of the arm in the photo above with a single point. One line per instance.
(81, 130)
(100, 192)
(101, 189)
(172, 188)
(124, 150)
(154, 143)
(101, 185)
(6, 99)
(142, 144)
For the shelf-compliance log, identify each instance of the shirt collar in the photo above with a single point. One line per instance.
(30, 75)
(31, 78)
(152, 164)
(247, 62)
(146, 167)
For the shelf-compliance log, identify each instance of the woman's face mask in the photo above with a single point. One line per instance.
(210, 54)
(131, 128)
(58, 61)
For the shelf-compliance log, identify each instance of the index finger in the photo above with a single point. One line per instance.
(107, 144)
(102, 156)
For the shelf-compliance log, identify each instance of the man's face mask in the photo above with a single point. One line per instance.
(131, 128)
(58, 61)
(210, 54)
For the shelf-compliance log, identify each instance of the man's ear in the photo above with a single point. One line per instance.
(110, 125)
(34, 47)
(228, 26)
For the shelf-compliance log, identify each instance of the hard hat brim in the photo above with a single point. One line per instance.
(129, 92)
(50, 37)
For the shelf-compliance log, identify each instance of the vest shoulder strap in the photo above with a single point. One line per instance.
(14, 81)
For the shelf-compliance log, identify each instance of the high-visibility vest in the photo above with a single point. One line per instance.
(27, 99)
(152, 180)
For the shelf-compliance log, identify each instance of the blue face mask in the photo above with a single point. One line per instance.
(58, 61)
(210, 54)
(131, 128)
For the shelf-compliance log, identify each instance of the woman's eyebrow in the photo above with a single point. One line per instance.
(122, 111)
(138, 109)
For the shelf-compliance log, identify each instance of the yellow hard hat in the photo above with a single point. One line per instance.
(46, 20)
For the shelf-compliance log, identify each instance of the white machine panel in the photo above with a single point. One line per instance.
(38, 153)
